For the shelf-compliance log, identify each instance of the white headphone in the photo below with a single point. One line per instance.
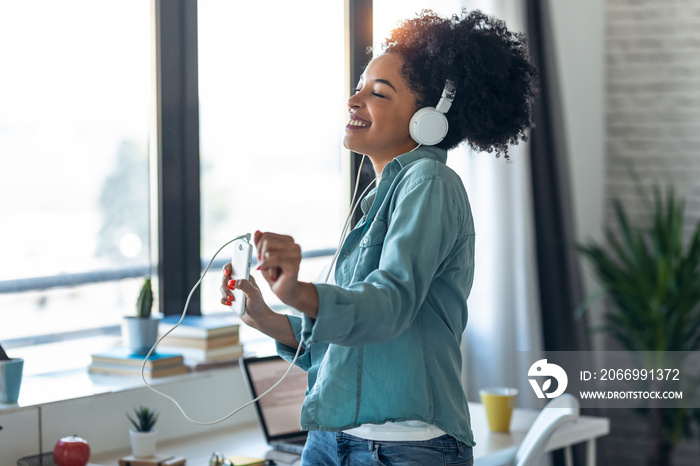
(428, 125)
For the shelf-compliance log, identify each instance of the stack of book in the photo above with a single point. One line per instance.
(121, 361)
(204, 341)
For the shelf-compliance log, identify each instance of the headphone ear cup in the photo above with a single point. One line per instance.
(428, 126)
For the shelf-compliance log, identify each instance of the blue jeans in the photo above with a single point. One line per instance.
(330, 448)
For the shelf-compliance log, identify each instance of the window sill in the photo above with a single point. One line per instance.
(43, 389)
(73, 381)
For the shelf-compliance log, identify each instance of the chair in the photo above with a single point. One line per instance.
(560, 410)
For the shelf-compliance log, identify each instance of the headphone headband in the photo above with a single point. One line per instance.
(448, 96)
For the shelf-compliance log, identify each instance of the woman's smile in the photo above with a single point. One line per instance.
(357, 123)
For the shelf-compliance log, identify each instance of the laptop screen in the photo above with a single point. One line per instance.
(279, 410)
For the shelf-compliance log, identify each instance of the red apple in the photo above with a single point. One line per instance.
(71, 451)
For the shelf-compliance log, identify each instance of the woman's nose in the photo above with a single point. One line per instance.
(354, 101)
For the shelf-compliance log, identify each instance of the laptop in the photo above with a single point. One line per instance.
(278, 411)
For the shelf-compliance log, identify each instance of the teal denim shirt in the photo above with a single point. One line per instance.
(385, 346)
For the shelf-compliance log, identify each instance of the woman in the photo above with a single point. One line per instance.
(382, 345)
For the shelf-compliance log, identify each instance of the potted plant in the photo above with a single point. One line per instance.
(143, 435)
(140, 332)
(651, 276)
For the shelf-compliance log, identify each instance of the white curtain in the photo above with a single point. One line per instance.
(504, 330)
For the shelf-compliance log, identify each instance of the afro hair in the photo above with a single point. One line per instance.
(489, 65)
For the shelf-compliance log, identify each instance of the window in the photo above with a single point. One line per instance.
(74, 117)
(272, 113)
(74, 133)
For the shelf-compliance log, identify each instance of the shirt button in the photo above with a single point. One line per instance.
(347, 254)
(365, 240)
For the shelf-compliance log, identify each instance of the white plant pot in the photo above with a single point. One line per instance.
(143, 444)
(139, 334)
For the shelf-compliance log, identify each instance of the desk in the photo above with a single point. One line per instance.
(248, 439)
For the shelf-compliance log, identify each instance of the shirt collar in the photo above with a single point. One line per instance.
(423, 152)
(367, 201)
(399, 163)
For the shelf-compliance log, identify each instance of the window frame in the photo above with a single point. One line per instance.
(175, 212)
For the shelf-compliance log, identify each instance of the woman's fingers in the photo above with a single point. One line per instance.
(226, 294)
(248, 287)
(279, 258)
(277, 255)
(267, 243)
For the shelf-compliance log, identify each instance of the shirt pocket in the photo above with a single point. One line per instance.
(370, 250)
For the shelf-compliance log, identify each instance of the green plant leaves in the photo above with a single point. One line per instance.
(144, 419)
(651, 277)
(144, 303)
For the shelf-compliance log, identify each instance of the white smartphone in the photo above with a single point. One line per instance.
(240, 265)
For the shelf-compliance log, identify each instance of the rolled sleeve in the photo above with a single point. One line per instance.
(287, 353)
(337, 328)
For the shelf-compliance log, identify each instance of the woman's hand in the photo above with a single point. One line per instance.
(256, 311)
(279, 257)
(257, 314)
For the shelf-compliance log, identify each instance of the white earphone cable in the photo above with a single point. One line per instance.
(353, 207)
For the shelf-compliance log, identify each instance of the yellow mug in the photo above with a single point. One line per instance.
(498, 403)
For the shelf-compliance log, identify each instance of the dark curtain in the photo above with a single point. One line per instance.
(560, 283)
